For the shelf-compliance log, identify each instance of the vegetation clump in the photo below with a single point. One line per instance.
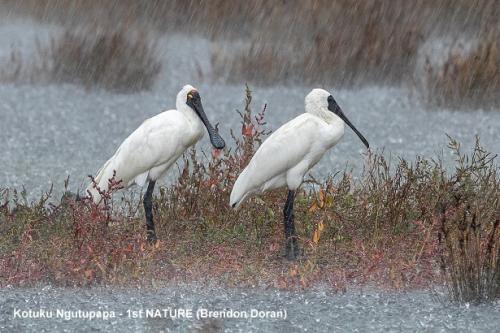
(469, 228)
(357, 43)
(400, 225)
(466, 79)
(116, 60)
(337, 43)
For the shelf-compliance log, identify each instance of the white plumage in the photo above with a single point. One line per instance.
(154, 146)
(293, 149)
(286, 156)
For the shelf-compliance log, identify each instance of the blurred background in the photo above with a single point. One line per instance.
(76, 77)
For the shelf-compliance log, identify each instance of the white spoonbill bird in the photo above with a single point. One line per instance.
(290, 152)
(154, 146)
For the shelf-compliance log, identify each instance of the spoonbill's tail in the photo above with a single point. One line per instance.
(239, 192)
(101, 180)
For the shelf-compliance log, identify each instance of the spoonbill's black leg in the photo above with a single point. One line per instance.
(291, 244)
(148, 209)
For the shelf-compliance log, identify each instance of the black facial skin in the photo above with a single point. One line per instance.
(194, 101)
(335, 108)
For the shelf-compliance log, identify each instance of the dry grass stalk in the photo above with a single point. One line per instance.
(466, 79)
(359, 43)
(341, 43)
(116, 60)
(470, 228)
(113, 60)
(383, 229)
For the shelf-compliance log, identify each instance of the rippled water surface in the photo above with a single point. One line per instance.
(51, 131)
(310, 311)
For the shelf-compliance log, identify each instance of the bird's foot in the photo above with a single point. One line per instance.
(292, 250)
(152, 239)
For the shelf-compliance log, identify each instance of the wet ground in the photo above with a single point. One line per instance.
(170, 309)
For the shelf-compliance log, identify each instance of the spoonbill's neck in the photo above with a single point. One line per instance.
(323, 113)
(193, 119)
(187, 111)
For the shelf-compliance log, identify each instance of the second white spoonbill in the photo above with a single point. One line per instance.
(154, 146)
(290, 152)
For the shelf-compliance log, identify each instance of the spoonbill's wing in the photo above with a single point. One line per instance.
(159, 140)
(286, 148)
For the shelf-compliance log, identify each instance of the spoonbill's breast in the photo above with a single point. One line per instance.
(286, 156)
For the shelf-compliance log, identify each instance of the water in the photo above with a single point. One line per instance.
(52, 131)
(306, 311)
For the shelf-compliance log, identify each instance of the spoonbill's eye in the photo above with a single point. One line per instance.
(330, 99)
(190, 96)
